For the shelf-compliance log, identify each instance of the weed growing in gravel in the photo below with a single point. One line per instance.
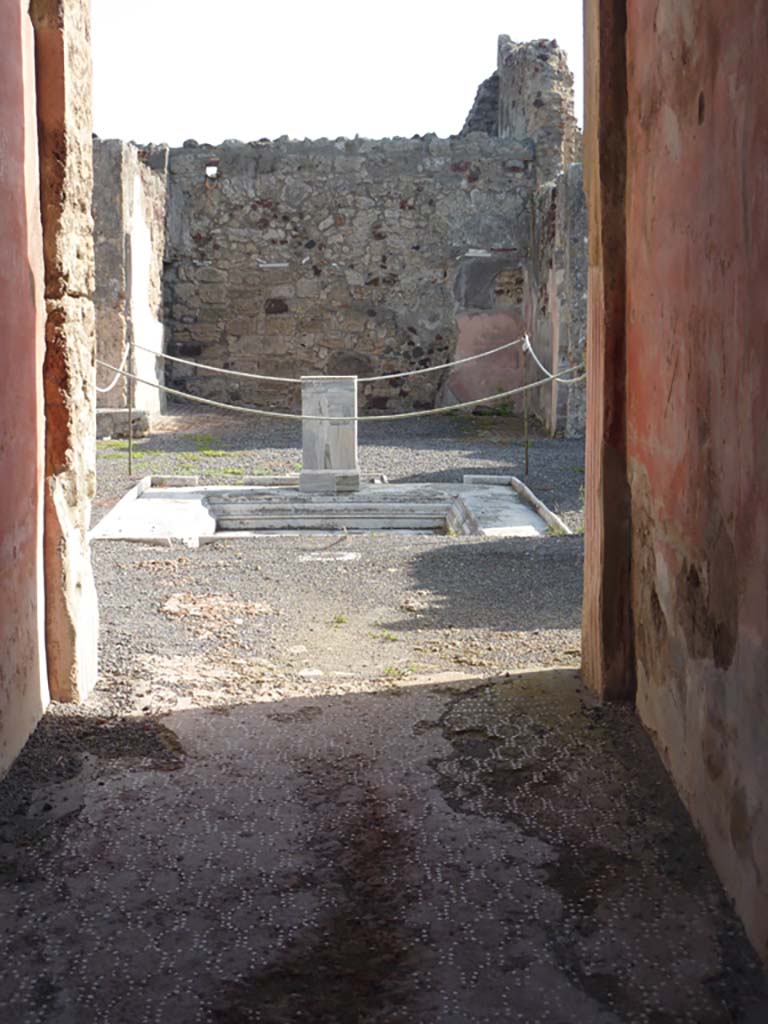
(555, 531)
(395, 672)
(207, 448)
(122, 456)
(339, 619)
(117, 448)
(388, 635)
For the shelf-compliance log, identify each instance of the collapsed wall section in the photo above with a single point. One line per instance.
(536, 102)
(334, 257)
(484, 114)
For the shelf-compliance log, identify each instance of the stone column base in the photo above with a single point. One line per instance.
(329, 481)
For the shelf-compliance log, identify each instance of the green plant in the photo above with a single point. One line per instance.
(395, 672)
(339, 619)
(555, 531)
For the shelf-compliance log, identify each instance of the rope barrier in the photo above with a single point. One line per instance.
(116, 378)
(343, 419)
(442, 366)
(219, 369)
(528, 347)
(297, 380)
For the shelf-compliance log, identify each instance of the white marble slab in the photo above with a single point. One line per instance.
(155, 514)
(329, 449)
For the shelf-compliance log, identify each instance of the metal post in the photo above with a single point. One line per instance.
(525, 427)
(131, 371)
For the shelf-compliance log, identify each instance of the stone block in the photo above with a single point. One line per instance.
(114, 423)
(308, 289)
(328, 481)
(280, 325)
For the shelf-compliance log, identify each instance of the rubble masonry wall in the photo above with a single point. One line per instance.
(336, 257)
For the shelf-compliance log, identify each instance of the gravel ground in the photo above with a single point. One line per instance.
(252, 619)
(303, 614)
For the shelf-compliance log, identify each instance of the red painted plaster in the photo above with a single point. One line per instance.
(480, 332)
(697, 425)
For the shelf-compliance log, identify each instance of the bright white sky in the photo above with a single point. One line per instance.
(169, 70)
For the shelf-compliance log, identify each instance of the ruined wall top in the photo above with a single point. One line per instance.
(536, 102)
(484, 115)
(415, 148)
(530, 97)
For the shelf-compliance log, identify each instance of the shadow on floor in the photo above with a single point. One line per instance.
(536, 584)
(472, 850)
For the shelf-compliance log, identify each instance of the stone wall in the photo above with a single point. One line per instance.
(62, 45)
(484, 115)
(530, 97)
(356, 256)
(129, 207)
(111, 297)
(291, 258)
(556, 299)
(536, 102)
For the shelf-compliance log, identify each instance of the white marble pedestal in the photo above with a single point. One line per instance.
(329, 461)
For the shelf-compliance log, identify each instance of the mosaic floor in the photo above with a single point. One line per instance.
(445, 851)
